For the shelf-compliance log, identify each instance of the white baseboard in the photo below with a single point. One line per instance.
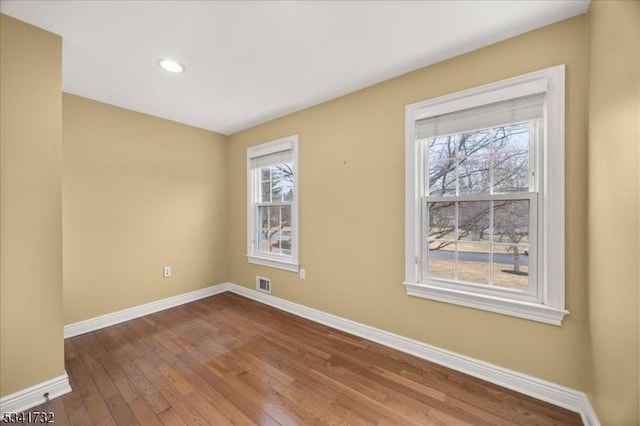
(588, 414)
(555, 394)
(140, 311)
(33, 396)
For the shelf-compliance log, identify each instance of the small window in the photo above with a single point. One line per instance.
(272, 204)
(485, 181)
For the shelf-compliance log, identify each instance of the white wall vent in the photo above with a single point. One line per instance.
(263, 284)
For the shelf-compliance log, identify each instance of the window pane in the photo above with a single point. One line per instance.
(514, 137)
(473, 174)
(441, 259)
(465, 242)
(265, 174)
(282, 175)
(473, 221)
(475, 143)
(443, 184)
(265, 194)
(265, 221)
(442, 220)
(276, 183)
(442, 177)
(441, 159)
(482, 254)
(511, 172)
(265, 185)
(511, 266)
(473, 263)
(274, 235)
(444, 146)
(285, 240)
(511, 221)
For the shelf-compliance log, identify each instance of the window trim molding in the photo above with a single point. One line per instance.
(291, 263)
(551, 243)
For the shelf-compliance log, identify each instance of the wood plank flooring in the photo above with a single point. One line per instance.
(228, 360)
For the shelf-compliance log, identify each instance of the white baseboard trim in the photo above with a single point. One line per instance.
(588, 414)
(97, 323)
(33, 396)
(552, 393)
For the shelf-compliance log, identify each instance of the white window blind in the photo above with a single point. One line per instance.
(512, 111)
(272, 159)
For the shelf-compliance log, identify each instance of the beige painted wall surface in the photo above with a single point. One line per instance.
(352, 210)
(31, 323)
(614, 251)
(139, 193)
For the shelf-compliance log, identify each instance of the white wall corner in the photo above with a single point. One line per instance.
(34, 395)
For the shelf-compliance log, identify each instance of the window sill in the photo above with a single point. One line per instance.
(516, 308)
(274, 263)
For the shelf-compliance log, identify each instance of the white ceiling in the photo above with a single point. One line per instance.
(249, 62)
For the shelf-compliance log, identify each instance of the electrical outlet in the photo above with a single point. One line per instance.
(166, 271)
(303, 274)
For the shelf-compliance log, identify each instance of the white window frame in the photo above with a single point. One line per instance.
(549, 305)
(287, 263)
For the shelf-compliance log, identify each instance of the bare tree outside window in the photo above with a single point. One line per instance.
(274, 211)
(484, 241)
(484, 197)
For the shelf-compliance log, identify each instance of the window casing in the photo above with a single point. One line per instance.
(272, 204)
(485, 197)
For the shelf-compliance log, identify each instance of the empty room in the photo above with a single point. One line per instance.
(320, 212)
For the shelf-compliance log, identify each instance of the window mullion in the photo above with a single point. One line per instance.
(535, 284)
(270, 185)
(533, 142)
(280, 229)
(255, 237)
(457, 166)
(478, 197)
(269, 229)
(424, 244)
(491, 159)
(425, 183)
(455, 243)
(491, 246)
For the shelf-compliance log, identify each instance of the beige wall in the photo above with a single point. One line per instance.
(614, 141)
(139, 193)
(352, 210)
(31, 346)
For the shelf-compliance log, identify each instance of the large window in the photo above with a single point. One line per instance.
(272, 204)
(485, 205)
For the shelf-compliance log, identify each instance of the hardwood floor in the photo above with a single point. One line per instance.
(228, 360)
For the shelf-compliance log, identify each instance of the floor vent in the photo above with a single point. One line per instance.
(263, 284)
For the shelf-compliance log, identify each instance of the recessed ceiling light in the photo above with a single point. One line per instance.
(170, 65)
